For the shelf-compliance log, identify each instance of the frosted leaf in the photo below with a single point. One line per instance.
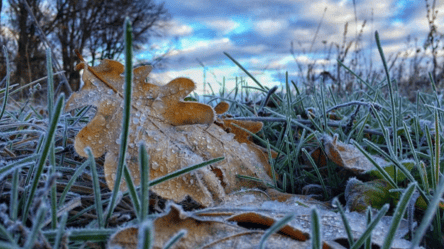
(158, 116)
(348, 156)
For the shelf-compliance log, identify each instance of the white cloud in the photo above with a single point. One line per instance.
(270, 27)
(204, 50)
(206, 45)
(174, 28)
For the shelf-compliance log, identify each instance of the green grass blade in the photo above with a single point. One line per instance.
(175, 238)
(85, 234)
(126, 114)
(44, 154)
(132, 191)
(14, 195)
(384, 132)
(429, 215)
(60, 230)
(4, 232)
(146, 235)
(184, 171)
(436, 166)
(8, 75)
(394, 160)
(53, 188)
(415, 156)
(316, 235)
(96, 188)
(144, 181)
(368, 242)
(71, 181)
(270, 160)
(392, 98)
(275, 228)
(36, 226)
(431, 155)
(324, 114)
(52, 160)
(384, 173)
(315, 167)
(50, 86)
(398, 215)
(345, 221)
(6, 170)
(368, 232)
(245, 70)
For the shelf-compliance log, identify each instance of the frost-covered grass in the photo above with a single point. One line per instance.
(52, 197)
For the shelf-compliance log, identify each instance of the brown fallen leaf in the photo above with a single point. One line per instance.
(240, 222)
(348, 156)
(177, 134)
(332, 229)
(232, 126)
(207, 233)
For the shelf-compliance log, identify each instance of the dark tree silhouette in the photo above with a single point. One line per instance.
(94, 27)
(29, 56)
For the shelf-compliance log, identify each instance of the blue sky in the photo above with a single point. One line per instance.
(258, 34)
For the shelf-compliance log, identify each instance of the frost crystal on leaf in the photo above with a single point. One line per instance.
(177, 134)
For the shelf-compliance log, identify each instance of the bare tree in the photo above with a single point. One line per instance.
(94, 27)
(29, 58)
(434, 39)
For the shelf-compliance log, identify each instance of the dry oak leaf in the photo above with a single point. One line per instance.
(240, 221)
(232, 126)
(206, 233)
(255, 208)
(177, 134)
(351, 158)
(348, 156)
